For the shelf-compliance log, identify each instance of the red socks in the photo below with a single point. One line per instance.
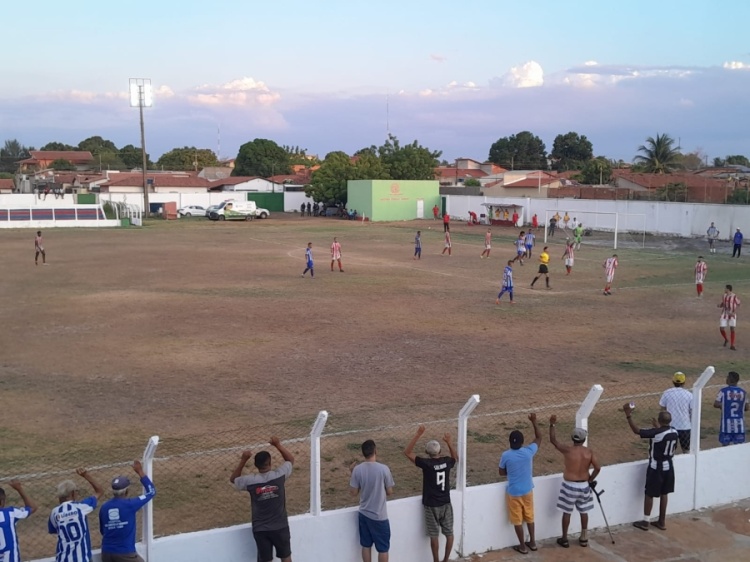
(723, 333)
(699, 289)
(731, 334)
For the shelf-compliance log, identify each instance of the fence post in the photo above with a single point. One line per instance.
(317, 430)
(587, 406)
(463, 428)
(148, 512)
(695, 419)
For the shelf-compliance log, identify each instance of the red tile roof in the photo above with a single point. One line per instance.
(73, 156)
(158, 180)
(656, 181)
(531, 182)
(234, 180)
(296, 179)
(451, 173)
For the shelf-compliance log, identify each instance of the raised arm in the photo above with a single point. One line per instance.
(237, 472)
(285, 454)
(537, 432)
(27, 501)
(629, 416)
(98, 490)
(409, 451)
(449, 444)
(150, 490)
(553, 435)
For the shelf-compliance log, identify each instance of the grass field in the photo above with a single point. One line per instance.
(205, 334)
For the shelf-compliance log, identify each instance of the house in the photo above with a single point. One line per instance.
(213, 173)
(248, 183)
(158, 182)
(520, 183)
(7, 186)
(464, 169)
(42, 159)
(698, 188)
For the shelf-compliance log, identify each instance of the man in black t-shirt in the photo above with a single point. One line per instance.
(662, 443)
(436, 490)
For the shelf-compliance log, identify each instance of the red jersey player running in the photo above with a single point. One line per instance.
(610, 265)
(729, 305)
(701, 268)
(336, 254)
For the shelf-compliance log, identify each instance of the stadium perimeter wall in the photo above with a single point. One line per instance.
(28, 211)
(681, 219)
(481, 521)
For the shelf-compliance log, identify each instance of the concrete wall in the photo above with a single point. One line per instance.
(391, 200)
(28, 211)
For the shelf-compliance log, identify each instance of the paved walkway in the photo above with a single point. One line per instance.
(721, 534)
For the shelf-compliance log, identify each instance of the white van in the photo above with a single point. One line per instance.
(234, 210)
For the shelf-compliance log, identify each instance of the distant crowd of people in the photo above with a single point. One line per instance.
(319, 210)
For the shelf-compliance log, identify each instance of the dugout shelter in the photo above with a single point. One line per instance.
(393, 200)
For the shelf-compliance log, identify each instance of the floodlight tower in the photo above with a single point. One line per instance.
(140, 97)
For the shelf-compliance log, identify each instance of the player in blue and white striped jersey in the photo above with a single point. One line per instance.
(732, 401)
(9, 516)
(507, 286)
(68, 520)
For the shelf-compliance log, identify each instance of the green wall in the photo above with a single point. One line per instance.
(392, 200)
(274, 202)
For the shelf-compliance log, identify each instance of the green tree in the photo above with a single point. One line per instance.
(597, 171)
(367, 166)
(691, 161)
(96, 145)
(58, 146)
(740, 196)
(658, 155)
(523, 151)
(719, 162)
(737, 160)
(132, 157)
(11, 152)
(408, 162)
(61, 164)
(472, 182)
(186, 158)
(261, 157)
(298, 156)
(107, 160)
(571, 151)
(328, 183)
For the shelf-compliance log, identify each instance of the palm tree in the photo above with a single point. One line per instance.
(659, 155)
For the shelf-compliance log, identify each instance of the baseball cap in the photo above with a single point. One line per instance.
(516, 439)
(579, 435)
(432, 448)
(678, 377)
(120, 483)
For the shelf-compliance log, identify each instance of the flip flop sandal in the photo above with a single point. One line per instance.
(642, 525)
(517, 548)
(658, 526)
(531, 548)
(563, 543)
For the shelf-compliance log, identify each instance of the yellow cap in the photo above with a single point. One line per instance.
(679, 377)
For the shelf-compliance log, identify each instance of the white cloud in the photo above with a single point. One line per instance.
(736, 65)
(528, 75)
(438, 58)
(240, 92)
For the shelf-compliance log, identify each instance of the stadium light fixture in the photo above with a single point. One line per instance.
(141, 95)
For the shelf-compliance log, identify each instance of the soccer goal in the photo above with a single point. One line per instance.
(600, 228)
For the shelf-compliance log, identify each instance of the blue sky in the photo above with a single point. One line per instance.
(456, 75)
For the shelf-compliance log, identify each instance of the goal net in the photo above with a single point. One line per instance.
(609, 230)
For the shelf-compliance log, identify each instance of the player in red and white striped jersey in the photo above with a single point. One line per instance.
(568, 256)
(610, 265)
(729, 305)
(487, 244)
(336, 254)
(701, 268)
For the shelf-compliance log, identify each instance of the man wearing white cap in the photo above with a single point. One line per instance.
(678, 402)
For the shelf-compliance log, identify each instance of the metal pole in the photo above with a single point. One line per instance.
(587, 406)
(148, 512)
(695, 425)
(463, 427)
(317, 430)
(141, 102)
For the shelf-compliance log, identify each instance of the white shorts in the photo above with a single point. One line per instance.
(447, 244)
(335, 257)
(488, 246)
(569, 262)
(728, 322)
(610, 278)
(699, 281)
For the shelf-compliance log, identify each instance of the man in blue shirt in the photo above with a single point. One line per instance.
(309, 261)
(737, 244)
(9, 516)
(517, 464)
(117, 518)
(732, 401)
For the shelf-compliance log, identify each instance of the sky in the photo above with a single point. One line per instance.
(340, 75)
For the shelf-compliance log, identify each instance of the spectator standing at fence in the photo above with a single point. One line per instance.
(712, 234)
(267, 491)
(543, 268)
(117, 518)
(436, 490)
(575, 490)
(309, 264)
(732, 401)
(728, 305)
(528, 243)
(701, 268)
(552, 227)
(446, 223)
(487, 244)
(678, 401)
(9, 516)
(568, 256)
(309, 209)
(737, 250)
(447, 247)
(418, 245)
(69, 520)
(39, 249)
(373, 482)
(507, 285)
(336, 254)
(517, 464)
(610, 266)
(662, 442)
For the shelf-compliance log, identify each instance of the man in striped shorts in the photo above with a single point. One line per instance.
(575, 490)
(729, 305)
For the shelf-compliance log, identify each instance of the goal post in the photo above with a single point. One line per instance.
(617, 229)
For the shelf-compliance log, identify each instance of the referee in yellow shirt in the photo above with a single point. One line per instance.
(543, 268)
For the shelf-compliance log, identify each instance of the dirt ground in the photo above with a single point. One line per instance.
(206, 335)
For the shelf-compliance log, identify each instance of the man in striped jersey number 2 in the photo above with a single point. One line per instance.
(662, 442)
(68, 520)
(728, 305)
(732, 401)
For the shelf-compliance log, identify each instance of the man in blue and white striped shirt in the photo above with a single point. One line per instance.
(507, 286)
(68, 520)
(732, 401)
(9, 516)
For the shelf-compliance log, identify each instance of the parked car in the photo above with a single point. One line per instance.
(192, 211)
(262, 213)
(211, 209)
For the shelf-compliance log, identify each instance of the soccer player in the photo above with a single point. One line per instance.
(520, 247)
(267, 491)
(732, 401)
(9, 516)
(712, 234)
(487, 243)
(679, 403)
(446, 223)
(117, 518)
(309, 261)
(436, 493)
(610, 265)
(517, 465)
(662, 442)
(336, 254)
(507, 286)
(418, 245)
(69, 522)
(578, 235)
(568, 256)
(543, 268)
(528, 242)
(737, 250)
(447, 247)
(575, 490)
(729, 305)
(39, 249)
(701, 268)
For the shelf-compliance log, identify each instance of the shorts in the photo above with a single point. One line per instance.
(684, 436)
(335, 257)
(488, 246)
(610, 278)
(568, 262)
(112, 557)
(520, 508)
(731, 438)
(447, 244)
(529, 247)
(439, 519)
(659, 482)
(575, 494)
(309, 265)
(267, 541)
(730, 322)
(577, 239)
(521, 252)
(374, 532)
(699, 281)
(543, 269)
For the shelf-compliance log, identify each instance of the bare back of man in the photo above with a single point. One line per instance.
(578, 461)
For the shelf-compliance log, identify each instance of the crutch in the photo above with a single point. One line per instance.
(598, 499)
